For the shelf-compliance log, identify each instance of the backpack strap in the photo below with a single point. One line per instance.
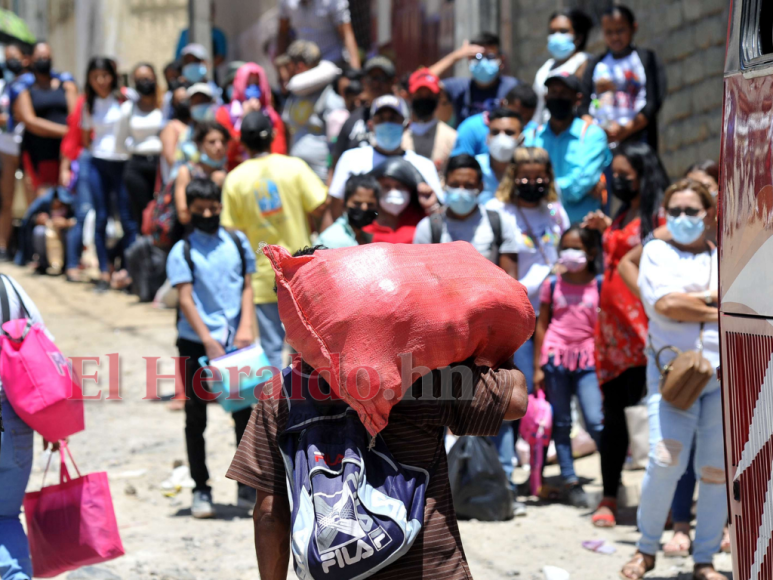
(495, 221)
(436, 227)
(4, 304)
(187, 255)
(553, 281)
(239, 247)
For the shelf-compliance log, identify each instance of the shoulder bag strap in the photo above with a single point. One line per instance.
(4, 304)
(537, 241)
(495, 221)
(187, 256)
(436, 227)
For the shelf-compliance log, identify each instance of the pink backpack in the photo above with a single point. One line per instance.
(37, 378)
(536, 429)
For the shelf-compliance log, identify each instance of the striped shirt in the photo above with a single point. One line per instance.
(414, 437)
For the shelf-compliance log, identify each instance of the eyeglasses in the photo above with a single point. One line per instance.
(538, 181)
(488, 55)
(675, 212)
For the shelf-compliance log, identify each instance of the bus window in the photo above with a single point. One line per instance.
(757, 33)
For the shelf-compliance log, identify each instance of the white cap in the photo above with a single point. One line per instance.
(201, 89)
(196, 50)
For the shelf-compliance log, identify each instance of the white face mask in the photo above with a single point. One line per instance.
(502, 147)
(395, 201)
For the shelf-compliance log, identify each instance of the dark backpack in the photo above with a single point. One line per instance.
(494, 219)
(159, 219)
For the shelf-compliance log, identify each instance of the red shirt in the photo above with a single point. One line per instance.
(406, 227)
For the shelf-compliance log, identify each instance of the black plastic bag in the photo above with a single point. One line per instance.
(478, 482)
(146, 265)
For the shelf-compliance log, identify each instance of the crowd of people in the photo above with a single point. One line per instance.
(557, 181)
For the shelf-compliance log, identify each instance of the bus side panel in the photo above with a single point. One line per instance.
(747, 394)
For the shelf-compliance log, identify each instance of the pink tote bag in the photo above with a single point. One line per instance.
(71, 524)
(536, 429)
(38, 382)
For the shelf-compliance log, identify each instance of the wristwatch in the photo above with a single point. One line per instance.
(707, 297)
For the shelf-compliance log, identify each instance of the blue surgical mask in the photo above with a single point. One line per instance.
(252, 92)
(485, 70)
(195, 72)
(561, 45)
(209, 162)
(461, 201)
(388, 136)
(202, 112)
(685, 229)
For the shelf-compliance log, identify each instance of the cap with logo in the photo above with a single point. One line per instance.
(423, 78)
(566, 79)
(390, 102)
(256, 127)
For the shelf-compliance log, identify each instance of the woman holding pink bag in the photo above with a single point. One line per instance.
(15, 459)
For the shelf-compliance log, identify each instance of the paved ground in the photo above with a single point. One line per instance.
(136, 441)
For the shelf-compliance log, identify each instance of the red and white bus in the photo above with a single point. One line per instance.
(746, 285)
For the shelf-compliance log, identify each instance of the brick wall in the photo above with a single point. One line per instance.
(688, 35)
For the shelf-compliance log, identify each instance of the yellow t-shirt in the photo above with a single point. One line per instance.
(268, 198)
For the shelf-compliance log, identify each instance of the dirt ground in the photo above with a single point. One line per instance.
(136, 441)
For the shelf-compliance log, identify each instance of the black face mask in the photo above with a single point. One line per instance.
(145, 87)
(14, 65)
(208, 225)
(560, 109)
(359, 218)
(173, 85)
(42, 66)
(531, 191)
(182, 111)
(424, 107)
(622, 188)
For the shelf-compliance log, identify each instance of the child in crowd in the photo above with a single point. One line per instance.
(210, 268)
(564, 347)
(361, 204)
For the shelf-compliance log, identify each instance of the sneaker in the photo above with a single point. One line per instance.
(202, 507)
(576, 496)
(246, 497)
(519, 509)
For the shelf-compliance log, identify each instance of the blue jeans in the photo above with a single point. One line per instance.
(83, 205)
(15, 467)
(105, 178)
(681, 507)
(272, 333)
(672, 432)
(560, 385)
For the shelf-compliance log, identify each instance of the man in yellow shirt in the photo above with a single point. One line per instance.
(269, 197)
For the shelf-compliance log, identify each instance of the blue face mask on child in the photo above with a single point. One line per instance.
(561, 45)
(209, 162)
(461, 201)
(485, 70)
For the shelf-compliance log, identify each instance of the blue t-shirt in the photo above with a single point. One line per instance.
(219, 43)
(469, 99)
(217, 281)
(579, 156)
(490, 181)
(472, 135)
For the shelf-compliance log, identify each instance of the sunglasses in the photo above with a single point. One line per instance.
(489, 55)
(675, 212)
(538, 181)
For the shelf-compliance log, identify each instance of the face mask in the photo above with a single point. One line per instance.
(461, 201)
(252, 92)
(195, 71)
(685, 229)
(485, 70)
(531, 192)
(359, 218)
(202, 112)
(561, 45)
(182, 111)
(208, 225)
(209, 162)
(388, 136)
(145, 87)
(14, 65)
(419, 128)
(395, 201)
(502, 147)
(424, 107)
(42, 66)
(622, 189)
(560, 109)
(573, 260)
(174, 84)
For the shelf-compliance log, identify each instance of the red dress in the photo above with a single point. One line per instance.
(621, 327)
(406, 228)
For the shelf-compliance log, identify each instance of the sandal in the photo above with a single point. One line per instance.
(638, 567)
(605, 515)
(707, 572)
(679, 545)
(726, 544)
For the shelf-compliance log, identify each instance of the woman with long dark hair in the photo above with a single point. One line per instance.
(638, 181)
(101, 117)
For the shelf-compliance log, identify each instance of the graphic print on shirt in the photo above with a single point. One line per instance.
(267, 197)
(548, 238)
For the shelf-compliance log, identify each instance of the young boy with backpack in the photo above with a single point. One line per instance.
(211, 270)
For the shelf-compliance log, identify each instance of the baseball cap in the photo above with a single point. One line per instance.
(390, 102)
(423, 78)
(201, 89)
(256, 126)
(567, 79)
(196, 50)
(382, 63)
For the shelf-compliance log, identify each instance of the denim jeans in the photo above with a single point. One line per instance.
(272, 333)
(671, 435)
(560, 385)
(105, 178)
(83, 205)
(681, 507)
(15, 467)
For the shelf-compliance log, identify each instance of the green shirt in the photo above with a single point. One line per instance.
(338, 235)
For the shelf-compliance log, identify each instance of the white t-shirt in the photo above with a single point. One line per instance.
(541, 115)
(363, 159)
(630, 94)
(476, 230)
(138, 130)
(547, 222)
(104, 122)
(664, 270)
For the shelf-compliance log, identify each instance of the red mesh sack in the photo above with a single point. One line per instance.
(354, 311)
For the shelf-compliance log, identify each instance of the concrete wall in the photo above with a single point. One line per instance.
(689, 37)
